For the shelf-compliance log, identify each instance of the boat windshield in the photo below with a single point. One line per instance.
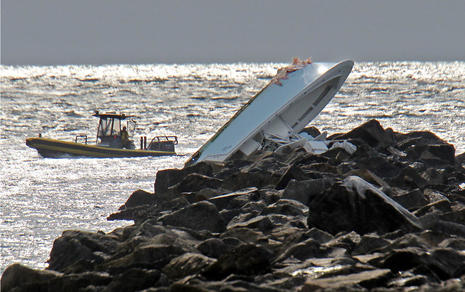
(109, 127)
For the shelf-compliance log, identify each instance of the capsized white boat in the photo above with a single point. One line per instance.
(279, 111)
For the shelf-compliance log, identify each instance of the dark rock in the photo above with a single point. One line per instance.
(166, 178)
(199, 216)
(148, 256)
(380, 166)
(286, 207)
(203, 195)
(409, 177)
(17, 276)
(169, 177)
(305, 250)
(195, 182)
(306, 190)
(262, 223)
(225, 201)
(245, 259)
(433, 155)
(412, 200)
(212, 247)
(417, 138)
(75, 251)
(312, 131)
(442, 205)
(139, 198)
(454, 243)
(319, 235)
(457, 216)
(241, 180)
(447, 263)
(403, 259)
(134, 279)
(187, 264)
(347, 241)
(370, 243)
(460, 159)
(233, 237)
(138, 213)
(371, 133)
(293, 172)
(359, 206)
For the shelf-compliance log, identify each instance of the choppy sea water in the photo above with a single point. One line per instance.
(40, 198)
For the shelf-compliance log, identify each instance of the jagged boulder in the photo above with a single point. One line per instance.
(198, 216)
(354, 204)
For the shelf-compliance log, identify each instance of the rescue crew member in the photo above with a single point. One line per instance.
(125, 138)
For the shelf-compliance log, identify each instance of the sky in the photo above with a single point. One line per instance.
(51, 32)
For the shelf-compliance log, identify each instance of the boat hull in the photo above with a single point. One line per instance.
(55, 149)
(279, 110)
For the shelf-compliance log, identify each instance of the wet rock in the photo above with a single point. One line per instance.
(199, 216)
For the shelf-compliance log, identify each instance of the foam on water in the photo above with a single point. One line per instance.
(40, 198)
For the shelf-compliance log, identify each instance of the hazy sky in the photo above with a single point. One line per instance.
(205, 31)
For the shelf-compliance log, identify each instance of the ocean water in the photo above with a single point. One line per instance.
(40, 198)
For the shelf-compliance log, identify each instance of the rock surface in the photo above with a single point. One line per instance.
(388, 217)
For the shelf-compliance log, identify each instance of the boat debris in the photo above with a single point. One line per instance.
(283, 72)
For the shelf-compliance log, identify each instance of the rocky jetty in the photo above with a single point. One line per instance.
(388, 217)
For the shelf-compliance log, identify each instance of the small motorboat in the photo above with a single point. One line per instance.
(113, 140)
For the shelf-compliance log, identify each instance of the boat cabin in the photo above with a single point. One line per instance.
(112, 133)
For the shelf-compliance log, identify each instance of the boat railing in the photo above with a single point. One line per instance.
(80, 138)
(173, 139)
(161, 143)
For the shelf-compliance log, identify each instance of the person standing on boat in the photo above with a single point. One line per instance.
(125, 138)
